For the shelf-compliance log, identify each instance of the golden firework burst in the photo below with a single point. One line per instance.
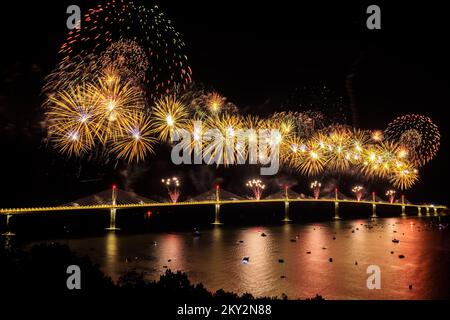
(136, 140)
(169, 114)
(224, 140)
(314, 160)
(118, 101)
(71, 118)
(404, 176)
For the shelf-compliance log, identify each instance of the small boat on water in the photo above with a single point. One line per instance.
(245, 259)
(395, 241)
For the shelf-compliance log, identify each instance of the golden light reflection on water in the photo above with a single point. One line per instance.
(167, 253)
(215, 258)
(111, 265)
(258, 272)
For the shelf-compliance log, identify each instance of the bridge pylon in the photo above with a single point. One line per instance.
(113, 211)
(217, 208)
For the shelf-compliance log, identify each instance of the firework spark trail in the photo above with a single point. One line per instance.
(358, 191)
(391, 195)
(315, 186)
(257, 187)
(173, 188)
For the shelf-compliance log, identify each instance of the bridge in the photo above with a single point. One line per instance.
(115, 199)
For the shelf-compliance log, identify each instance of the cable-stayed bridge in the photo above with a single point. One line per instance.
(115, 199)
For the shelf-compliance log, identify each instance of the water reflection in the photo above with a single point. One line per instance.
(111, 266)
(293, 258)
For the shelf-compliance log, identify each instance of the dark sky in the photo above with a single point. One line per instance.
(256, 55)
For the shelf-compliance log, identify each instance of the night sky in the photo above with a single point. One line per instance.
(256, 56)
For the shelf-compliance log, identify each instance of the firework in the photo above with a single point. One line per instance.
(315, 186)
(380, 160)
(215, 102)
(391, 195)
(97, 97)
(257, 188)
(338, 148)
(69, 73)
(291, 151)
(372, 164)
(404, 176)
(136, 140)
(253, 124)
(359, 140)
(118, 102)
(107, 112)
(358, 191)
(173, 188)
(308, 122)
(315, 156)
(416, 133)
(323, 106)
(126, 56)
(141, 39)
(285, 122)
(377, 135)
(302, 124)
(71, 120)
(196, 143)
(224, 141)
(168, 115)
(206, 103)
(313, 162)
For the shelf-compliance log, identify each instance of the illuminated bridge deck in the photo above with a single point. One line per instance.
(10, 211)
